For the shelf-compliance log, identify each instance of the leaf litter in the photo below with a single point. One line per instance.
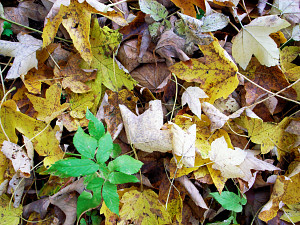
(206, 97)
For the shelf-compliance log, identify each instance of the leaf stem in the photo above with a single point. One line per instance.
(176, 92)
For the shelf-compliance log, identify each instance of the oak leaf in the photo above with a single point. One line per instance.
(24, 52)
(215, 72)
(48, 108)
(254, 39)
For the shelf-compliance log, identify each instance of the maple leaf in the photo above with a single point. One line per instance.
(215, 72)
(104, 42)
(144, 131)
(24, 52)
(287, 56)
(254, 39)
(143, 208)
(44, 140)
(48, 108)
(191, 97)
(188, 7)
(75, 16)
(73, 76)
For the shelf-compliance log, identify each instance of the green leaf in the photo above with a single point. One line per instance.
(225, 222)
(84, 143)
(95, 185)
(104, 170)
(116, 151)
(122, 178)
(82, 221)
(96, 128)
(229, 200)
(111, 197)
(125, 164)
(72, 167)
(105, 147)
(86, 201)
(7, 29)
(155, 9)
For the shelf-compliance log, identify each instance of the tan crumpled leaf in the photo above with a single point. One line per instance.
(184, 144)
(254, 39)
(18, 157)
(191, 97)
(288, 9)
(144, 131)
(16, 187)
(24, 52)
(217, 118)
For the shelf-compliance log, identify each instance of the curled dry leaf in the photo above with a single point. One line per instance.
(144, 131)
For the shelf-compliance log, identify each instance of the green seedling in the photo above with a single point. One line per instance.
(7, 29)
(100, 176)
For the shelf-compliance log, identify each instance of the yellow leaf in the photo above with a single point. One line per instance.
(8, 214)
(79, 103)
(254, 39)
(215, 72)
(48, 108)
(292, 213)
(287, 56)
(76, 19)
(268, 135)
(143, 208)
(44, 140)
(216, 176)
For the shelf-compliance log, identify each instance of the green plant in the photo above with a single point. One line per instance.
(100, 177)
(229, 201)
(7, 29)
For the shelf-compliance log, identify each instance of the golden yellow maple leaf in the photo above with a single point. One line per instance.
(215, 72)
(48, 108)
(43, 136)
(76, 18)
(143, 208)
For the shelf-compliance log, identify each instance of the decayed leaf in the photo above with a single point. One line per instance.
(104, 43)
(143, 208)
(18, 157)
(156, 10)
(215, 72)
(287, 56)
(289, 9)
(73, 76)
(44, 142)
(184, 144)
(75, 17)
(8, 214)
(24, 52)
(254, 39)
(191, 97)
(16, 187)
(188, 7)
(144, 131)
(228, 3)
(48, 108)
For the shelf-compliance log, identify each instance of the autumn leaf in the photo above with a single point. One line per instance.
(143, 208)
(287, 56)
(48, 108)
(215, 72)
(254, 39)
(188, 7)
(44, 140)
(9, 214)
(73, 76)
(76, 17)
(24, 52)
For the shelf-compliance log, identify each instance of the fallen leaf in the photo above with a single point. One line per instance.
(16, 188)
(184, 144)
(287, 56)
(288, 9)
(8, 214)
(144, 131)
(216, 118)
(215, 72)
(254, 39)
(191, 96)
(48, 108)
(24, 52)
(73, 77)
(156, 10)
(227, 3)
(143, 208)
(188, 7)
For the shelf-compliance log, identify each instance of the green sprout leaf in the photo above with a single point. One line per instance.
(7, 29)
(230, 200)
(121, 178)
(116, 151)
(96, 128)
(125, 164)
(72, 167)
(87, 201)
(105, 147)
(85, 144)
(111, 197)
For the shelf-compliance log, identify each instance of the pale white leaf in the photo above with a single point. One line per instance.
(254, 39)
(184, 144)
(24, 52)
(144, 131)
(191, 97)
(17, 183)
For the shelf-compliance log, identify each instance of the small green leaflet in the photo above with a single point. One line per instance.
(72, 167)
(105, 147)
(125, 164)
(84, 143)
(86, 201)
(230, 200)
(154, 8)
(121, 178)
(116, 151)
(96, 128)
(111, 197)
(7, 29)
